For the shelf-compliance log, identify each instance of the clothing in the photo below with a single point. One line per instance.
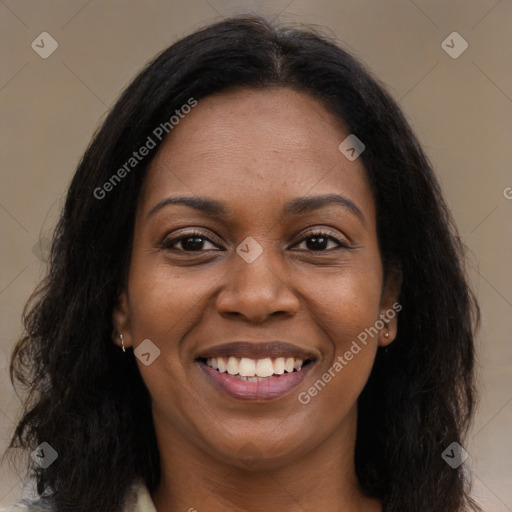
(138, 500)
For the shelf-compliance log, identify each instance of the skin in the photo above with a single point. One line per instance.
(254, 150)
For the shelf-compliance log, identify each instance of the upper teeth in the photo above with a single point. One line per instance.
(246, 367)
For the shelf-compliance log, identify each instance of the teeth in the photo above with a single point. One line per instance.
(250, 379)
(252, 370)
(247, 367)
(279, 366)
(232, 367)
(220, 363)
(264, 367)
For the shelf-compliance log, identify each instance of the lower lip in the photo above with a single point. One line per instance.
(274, 388)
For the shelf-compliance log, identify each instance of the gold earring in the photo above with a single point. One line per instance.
(122, 342)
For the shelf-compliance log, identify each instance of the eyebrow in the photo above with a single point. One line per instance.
(309, 204)
(298, 206)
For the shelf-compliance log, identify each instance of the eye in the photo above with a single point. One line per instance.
(190, 242)
(195, 241)
(319, 241)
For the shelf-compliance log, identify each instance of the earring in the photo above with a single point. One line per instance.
(122, 342)
(386, 335)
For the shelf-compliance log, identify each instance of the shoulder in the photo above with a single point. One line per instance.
(26, 505)
(138, 500)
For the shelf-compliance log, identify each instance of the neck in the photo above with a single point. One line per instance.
(323, 479)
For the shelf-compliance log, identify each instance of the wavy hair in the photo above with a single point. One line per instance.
(88, 400)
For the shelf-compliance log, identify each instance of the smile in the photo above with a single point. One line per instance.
(251, 379)
(254, 370)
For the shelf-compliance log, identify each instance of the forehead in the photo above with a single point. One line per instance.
(255, 146)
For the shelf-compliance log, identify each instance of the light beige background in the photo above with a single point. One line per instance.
(460, 108)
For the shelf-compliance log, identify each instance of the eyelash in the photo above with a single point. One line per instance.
(168, 243)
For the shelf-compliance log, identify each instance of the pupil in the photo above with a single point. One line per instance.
(316, 243)
(192, 243)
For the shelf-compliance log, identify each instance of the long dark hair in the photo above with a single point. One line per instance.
(87, 399)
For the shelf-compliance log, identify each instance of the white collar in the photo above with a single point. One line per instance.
(140, 499)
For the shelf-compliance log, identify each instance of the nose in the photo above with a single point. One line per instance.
(256, 291)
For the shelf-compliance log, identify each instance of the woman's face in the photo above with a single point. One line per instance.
(278, 266)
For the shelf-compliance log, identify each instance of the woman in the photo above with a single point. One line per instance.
(256, 298)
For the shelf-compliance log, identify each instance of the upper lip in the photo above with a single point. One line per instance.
(256, 350)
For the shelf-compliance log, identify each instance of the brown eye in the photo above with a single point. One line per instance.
(190, 242)
(319, 241)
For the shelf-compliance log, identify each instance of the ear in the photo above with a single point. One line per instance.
(121, 321)
(389, 306)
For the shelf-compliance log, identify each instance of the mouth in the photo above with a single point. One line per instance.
(256, 370)
(253, 372)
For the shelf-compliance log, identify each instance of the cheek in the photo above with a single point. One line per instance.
(163, 305)
(345, 302)
(345, 306)
(334, 394)
(163, 308)
(347, 322)
(345, 317)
